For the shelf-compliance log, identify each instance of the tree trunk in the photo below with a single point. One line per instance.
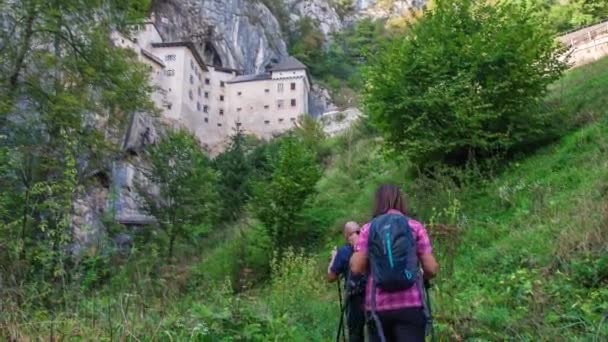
(24, 223)
(171, 243)
(23, 49)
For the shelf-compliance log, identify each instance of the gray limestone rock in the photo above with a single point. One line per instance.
(240, 34)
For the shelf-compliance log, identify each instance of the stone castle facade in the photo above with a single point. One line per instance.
(212, 101)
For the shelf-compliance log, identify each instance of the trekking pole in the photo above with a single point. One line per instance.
(427, 286)
(342, 307)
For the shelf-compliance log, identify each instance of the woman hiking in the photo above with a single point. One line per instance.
(392, 248)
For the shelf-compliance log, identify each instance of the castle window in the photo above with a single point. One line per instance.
(238, 124)
(222, 84)
(169, 58)
(198, 106)
(221, 112)
(293, 86)
(239, 93)
(191, 79)
(192, 64)
(281, 120)
(199, 91)
(280, 87)
(207, 81)
(206, 109)
(206, 94)
(280, 104)
(267, 122)
(219, 124)
(267, 90)
(169, 106)
(170, 72)
(239, 109)
(190, 94)
(266, 106)
(293, 102)
(221, 97)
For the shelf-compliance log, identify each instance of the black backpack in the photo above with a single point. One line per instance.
(392, 253)
(355, 284)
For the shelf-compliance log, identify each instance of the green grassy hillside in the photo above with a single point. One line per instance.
(524, 250)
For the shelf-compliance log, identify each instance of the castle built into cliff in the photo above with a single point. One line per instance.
(212, 101)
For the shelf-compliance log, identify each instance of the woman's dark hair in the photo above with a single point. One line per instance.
(388, 197)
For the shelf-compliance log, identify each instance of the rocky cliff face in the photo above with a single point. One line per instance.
(246, 35)
(241, 34)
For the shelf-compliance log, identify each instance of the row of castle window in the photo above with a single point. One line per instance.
(171, 72)
(280, 104)
(238, 124)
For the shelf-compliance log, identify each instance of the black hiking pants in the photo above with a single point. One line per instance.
(403, 325)
(355, 318)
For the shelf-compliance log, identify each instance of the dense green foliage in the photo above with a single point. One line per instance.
(235, 172)
(65, 93)
(180, 188)
(278, 203)
(337, 65)
(571, 14)
(465, 82)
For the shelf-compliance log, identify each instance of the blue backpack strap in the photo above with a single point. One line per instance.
(375, 315)
(373, 299)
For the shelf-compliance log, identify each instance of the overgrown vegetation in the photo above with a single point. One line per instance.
(65, 95)
(338, 64)
(465, 83)
(180, 189)
(571, 14)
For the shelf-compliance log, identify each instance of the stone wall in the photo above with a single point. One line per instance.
(586, 45)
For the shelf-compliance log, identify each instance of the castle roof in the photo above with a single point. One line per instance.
(189, 46)
(250, 78)
(225, 69)
(152, 57)
(287, 64)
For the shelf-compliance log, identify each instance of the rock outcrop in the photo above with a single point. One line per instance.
(321, 11)
(246, 35)
(240, 34)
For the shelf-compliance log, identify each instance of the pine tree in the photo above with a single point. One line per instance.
(180, 188)
(235, 174)
(278, 203)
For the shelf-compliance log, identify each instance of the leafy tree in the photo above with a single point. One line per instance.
(234, 176)
(64, 89)
(180, 189)
(278, 203)
(310, 131)
(465, 81)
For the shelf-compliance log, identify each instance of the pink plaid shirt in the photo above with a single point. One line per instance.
(402, 299)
